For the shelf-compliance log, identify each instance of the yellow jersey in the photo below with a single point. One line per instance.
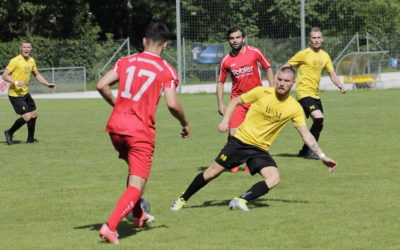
(310, 65)
(21, 70)
(267, 116)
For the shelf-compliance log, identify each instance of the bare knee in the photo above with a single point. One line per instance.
(273, 181)
(213, 171)
(27, 116)
(271, 176)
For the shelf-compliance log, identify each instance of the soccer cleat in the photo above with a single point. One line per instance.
(146, 218)
(32, 141)
(9, 137)
(235, 169)
(178, 204)
(246, 170)
(302, 154)
(109, 235)
(311, 155)
(238, 203)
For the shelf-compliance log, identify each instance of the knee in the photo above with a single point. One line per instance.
(27, 117)
(273, 180)
(35, 114)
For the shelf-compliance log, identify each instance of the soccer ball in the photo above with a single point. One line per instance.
(145, 206)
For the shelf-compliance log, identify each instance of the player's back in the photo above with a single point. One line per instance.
(142, 78)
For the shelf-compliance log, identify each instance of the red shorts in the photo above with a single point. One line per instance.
(238, 115)
(136, 152)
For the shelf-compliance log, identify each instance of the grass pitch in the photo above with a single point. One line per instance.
(56, 194)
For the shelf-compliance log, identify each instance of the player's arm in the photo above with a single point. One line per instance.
(309, 139)
(220, 98)
(270, 77)
(335, 79)
(224, 124)
(8, 78)
(104, 86)
(43, 81)
(176, 109)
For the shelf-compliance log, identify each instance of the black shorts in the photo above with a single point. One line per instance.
(236, 153)
(310, 104)
(23, 104)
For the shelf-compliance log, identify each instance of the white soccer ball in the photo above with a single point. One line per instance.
(145, 206)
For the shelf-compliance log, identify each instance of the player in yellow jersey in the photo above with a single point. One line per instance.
(17, 73)
(271, 109)
(310, 63)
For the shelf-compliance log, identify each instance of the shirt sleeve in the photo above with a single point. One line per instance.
(34, 67)
(297, 59)
(253, 95)
(262, 59)
(298, 117)
(170, 77)
(222, 72)
(329, 65)
(11, 65)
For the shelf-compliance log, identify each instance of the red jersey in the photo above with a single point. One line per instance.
(243, 69)
(142, 78)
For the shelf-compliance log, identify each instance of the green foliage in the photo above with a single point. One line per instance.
(66, 53)
(56, 194)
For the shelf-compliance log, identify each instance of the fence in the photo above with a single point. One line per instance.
(68, 79)
(276, 28)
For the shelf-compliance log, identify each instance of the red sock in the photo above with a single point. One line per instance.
(137, 210)
(124, 205)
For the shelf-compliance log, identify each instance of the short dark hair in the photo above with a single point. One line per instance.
(234, 29)
(157, 32)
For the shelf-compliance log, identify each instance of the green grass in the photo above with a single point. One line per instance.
(56, 194)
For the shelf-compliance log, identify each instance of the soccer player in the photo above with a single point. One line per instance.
(242, 63)
(142, 77)
(271, 109)
(17, 74)
(311, 61)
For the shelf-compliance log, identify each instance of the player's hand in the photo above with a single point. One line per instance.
(185, 132)
(330, 163)
(223, 126)
(342, 89)
(221, 109)
(52, 85)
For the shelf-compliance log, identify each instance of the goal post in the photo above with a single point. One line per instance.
(361, 69)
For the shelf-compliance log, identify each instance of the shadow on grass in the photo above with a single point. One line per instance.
(254, 203)
(14, 142)
(125, 228)
(286, 155)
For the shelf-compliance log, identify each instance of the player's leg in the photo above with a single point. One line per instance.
(21, 108)
(238, 116)
(199, 181)
(31, 123)
(138, 155)
(260, 162)
(229, 157)
(312, 107)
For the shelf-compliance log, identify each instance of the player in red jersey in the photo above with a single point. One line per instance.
(142, 77)
(242, 63)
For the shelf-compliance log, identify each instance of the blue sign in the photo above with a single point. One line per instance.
(393, 62)
(210, 54)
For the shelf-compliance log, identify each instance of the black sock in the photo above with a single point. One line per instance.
(257, 190)
(197, 183)
(31, 128)
(315, 130)
(17, 124)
